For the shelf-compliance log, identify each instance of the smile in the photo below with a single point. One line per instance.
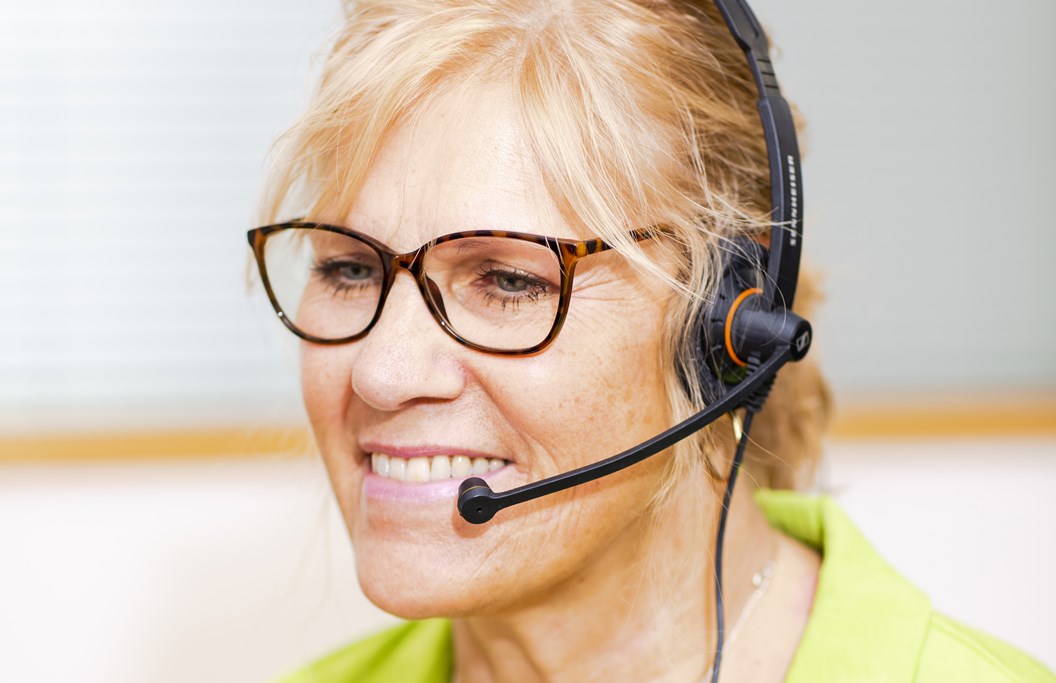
(433, 468)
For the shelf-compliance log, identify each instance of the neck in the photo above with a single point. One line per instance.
(652, 619)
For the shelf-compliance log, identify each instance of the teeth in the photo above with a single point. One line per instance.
(436, 468)
(441, 467)
(379, 462)
(418, 469)
(460, 467)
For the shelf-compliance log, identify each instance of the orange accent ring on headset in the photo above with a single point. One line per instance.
(729, 324)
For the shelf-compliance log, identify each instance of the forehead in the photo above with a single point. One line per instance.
(462, 163)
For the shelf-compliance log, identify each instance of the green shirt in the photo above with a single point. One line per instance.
(867, 624)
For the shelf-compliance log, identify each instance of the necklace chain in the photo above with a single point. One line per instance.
(761, 581)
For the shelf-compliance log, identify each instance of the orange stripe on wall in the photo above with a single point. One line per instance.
(187, 443)
(916, 419)
(947, 417)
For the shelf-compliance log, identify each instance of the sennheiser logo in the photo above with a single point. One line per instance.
(793, 182)
(802, 342)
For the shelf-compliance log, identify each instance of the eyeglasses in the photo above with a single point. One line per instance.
(495, 291)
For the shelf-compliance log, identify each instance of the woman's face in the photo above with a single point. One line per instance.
(408, 390)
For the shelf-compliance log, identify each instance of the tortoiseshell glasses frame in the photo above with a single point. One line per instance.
(567, 252)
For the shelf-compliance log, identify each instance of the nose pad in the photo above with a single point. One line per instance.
(433, 292)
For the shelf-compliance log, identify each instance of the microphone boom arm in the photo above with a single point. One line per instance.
(477, 503)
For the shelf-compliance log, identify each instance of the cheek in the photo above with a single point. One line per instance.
(325, 385)
(599, 390)
(327, 391)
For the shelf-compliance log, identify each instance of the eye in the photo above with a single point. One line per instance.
(353, 271)
(343, 274)
(509, 288)
(510, 282)
(513, 282)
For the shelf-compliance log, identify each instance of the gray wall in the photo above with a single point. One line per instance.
(930, 178)
(132, 138)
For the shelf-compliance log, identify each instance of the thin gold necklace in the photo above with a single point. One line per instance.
(761, 581)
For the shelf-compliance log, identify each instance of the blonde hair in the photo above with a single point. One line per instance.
(636, 113)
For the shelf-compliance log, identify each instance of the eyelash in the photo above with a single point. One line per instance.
(326, 270)
(536, 287)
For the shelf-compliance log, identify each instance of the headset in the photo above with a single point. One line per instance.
(748, 332)
(744, 336)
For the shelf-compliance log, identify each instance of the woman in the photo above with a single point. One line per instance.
(630, 123)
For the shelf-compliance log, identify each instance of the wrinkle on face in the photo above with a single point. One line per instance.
(597, 390)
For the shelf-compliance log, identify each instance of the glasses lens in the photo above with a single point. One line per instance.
(327, 284)
(501, 293)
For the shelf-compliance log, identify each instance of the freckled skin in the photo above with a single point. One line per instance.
(553, 590)
(597, 390)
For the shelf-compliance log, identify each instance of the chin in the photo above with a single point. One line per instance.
(415, 589)
(409, 568)
(424, 571)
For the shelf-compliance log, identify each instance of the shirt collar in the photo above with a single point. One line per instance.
(867, 622)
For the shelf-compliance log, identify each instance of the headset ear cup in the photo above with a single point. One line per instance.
(743, 270)
(739, 326)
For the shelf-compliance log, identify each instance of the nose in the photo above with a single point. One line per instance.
(406, 357)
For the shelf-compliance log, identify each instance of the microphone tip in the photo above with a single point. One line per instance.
(476, 502)
(472, 483)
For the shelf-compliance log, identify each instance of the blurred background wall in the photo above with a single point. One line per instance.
(153, 521)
